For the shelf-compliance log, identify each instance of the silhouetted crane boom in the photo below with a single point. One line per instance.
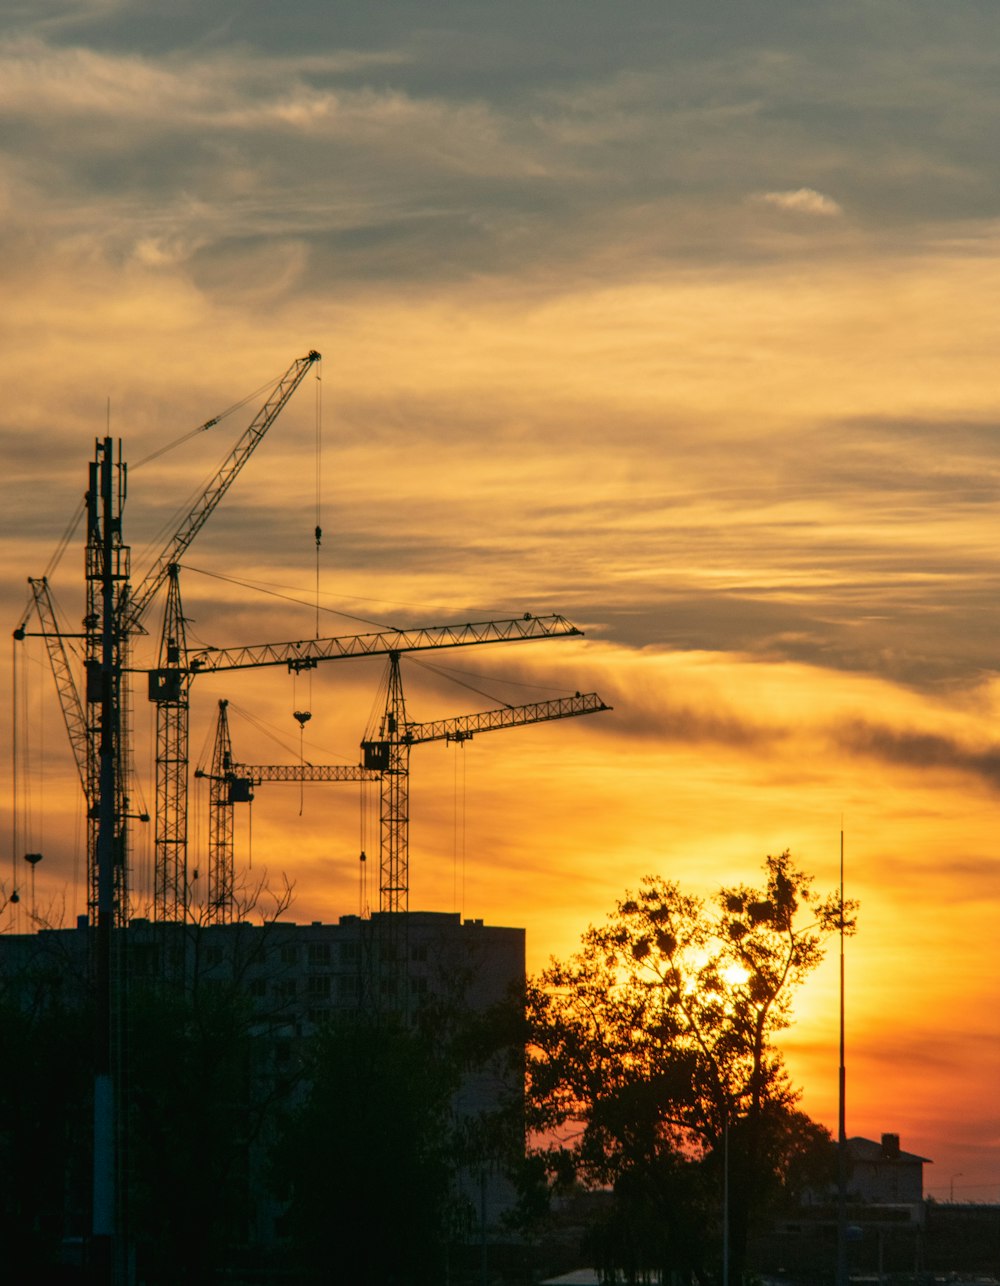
(306, 654)
(463, 727)
(62, 671)
(260, 774)
(217, 487)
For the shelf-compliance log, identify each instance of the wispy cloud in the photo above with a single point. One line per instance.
(803, 201)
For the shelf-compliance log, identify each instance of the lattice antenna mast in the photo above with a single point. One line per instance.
(107, 655)
(107, 569)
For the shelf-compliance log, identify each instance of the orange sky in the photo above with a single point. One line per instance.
(687, 334)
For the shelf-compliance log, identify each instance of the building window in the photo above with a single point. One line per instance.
(286, 988)
(319, 985)
(258, 987)
(418, 952)
(319, 953)
(289, 954)
(213, 955)
(350, 952)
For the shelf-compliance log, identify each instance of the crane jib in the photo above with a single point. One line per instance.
(217, 488)
(305, 654)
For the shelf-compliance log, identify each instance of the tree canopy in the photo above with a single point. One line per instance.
(652, 1051)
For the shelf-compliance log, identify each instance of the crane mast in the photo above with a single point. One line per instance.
(169, 688)
(220, 823)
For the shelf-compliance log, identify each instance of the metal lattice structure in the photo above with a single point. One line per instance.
(385, 760)
(99, 724)
(169, 688)
(62, 671)
(169, 685)
(233, 783)
(305, 654)
(390, 755)
(106, 661)
(220, 824)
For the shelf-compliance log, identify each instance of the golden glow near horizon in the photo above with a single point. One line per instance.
(688, 333)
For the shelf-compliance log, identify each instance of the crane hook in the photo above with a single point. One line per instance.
(303, 716)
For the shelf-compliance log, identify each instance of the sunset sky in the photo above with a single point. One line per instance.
(678, 319)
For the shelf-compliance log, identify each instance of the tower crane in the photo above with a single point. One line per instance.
(228, 786)
(233, 783)
(390, 755)
(385, 758)
(99, 725)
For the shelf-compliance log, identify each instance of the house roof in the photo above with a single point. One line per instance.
(861, 1149)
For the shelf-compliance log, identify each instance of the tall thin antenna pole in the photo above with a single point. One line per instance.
(842, 1271)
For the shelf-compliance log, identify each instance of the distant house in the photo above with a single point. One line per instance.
(883, 1174)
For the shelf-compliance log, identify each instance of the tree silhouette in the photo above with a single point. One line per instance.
(364, 1159)
(652, 1059)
